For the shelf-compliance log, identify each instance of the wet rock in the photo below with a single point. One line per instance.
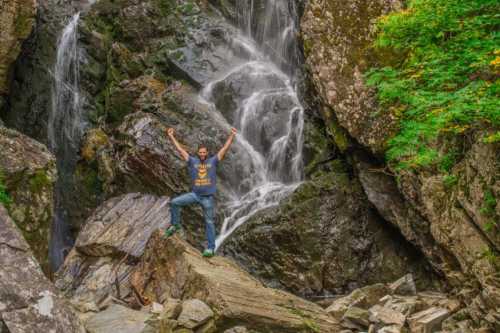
(29, 174)
(428, 320)
(28, 300)
(178, 269)
(17, 18)
(321, 239)
(194, 313)
(118, 318)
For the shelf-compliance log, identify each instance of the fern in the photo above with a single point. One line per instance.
(447, 82)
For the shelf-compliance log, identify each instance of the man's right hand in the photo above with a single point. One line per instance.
(170, 132)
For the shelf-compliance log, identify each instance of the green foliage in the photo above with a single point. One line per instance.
(447, 82)
(489, 204)
(4, 197)
(450, 180)
(492, 138)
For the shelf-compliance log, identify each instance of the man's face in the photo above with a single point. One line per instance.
(202, 154)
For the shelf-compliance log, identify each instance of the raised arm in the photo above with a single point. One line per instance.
(224, 149)
(181, 150)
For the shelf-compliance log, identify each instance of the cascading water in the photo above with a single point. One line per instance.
(268, 113)
(65, 129)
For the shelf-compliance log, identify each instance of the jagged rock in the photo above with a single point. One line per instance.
(17, 18)
(29, 174)
(404, 286)
(174, 267)
(405, 305)
(358, 316)
(194, 313)
(428, 320)
(117, 318)
(123, 226)
(386, 316)
(112, 240)
(364, 297)
(28, 300)
(439, 300)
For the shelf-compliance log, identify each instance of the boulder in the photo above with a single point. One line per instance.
(117, 318)
(428, 320)
(364, 297)
(28, 300)
(194, 313)
(29, 172)
(175, 268)
(357, 316)
(404, 286)
(323, 239)
(113, 239)
(386, 316)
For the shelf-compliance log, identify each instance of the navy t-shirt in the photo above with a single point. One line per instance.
(203, 174)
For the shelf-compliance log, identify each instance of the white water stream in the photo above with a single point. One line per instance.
(270, 119)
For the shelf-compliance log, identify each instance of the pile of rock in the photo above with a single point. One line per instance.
(398, 307)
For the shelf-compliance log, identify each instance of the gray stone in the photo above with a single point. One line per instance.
(357, 315)
(404, 286)
(194, 313)
(28, 300)
(428, 321)
(117, 318)
(379, 314)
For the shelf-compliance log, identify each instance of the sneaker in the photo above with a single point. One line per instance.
(172, 229)
(208, 253)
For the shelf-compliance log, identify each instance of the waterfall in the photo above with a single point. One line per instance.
(65, 129)
(269, 116)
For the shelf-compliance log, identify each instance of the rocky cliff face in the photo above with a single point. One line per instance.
(445, 219)
(29, 173)
(17, 19)
(28, 300)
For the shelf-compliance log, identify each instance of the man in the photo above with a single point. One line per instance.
(202, 170)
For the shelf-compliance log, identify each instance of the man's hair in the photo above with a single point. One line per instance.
(201, 146)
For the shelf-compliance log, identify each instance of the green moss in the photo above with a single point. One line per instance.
(4, 196)
(489, 204)
(450, 181)
(39, 181)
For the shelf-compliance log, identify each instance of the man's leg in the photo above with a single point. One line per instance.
(208, 212)
(175, 210)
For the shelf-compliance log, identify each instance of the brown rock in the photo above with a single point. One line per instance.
(17, 18)
(28, 300)
(177, 268)
(29, 174)
(428, 321)
(386, 316)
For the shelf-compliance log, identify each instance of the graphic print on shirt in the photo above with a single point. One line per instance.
(202, 179)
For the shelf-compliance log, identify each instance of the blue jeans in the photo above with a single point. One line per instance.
(207, 202)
